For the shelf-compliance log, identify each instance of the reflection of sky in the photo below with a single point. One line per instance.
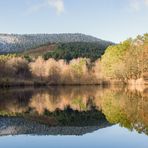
(111, 137)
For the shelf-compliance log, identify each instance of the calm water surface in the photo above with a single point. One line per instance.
(87, 116)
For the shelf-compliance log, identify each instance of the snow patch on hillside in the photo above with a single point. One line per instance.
(8, 39)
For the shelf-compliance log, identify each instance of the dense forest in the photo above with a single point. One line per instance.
(72, 50)
(125, 61)
(68, 51)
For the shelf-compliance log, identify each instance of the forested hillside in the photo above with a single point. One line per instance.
(69, 51)
(122, 62)
(10, 43)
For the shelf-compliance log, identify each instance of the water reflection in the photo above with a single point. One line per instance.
(72, 110)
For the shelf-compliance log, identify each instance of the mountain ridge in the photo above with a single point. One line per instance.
(10, 43)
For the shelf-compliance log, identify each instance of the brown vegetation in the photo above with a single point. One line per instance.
(18, 70)
(40, 50)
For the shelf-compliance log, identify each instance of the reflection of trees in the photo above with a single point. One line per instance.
(51, 99)
(77, 98)
(129, 109)
(68, 105)
(69, 117)
(112, 108)
(14, 101)
(72, 106)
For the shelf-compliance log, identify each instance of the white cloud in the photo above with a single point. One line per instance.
(57, 5)
(138, 4)
(146, 2)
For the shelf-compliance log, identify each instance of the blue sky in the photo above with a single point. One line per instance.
(113, 20)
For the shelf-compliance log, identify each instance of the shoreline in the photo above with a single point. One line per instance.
(10, 83)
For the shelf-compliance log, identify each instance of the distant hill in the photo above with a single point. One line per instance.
(11, 43)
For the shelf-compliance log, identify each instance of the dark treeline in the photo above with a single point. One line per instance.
(73, 50)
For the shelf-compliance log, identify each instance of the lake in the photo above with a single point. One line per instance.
(74, 116)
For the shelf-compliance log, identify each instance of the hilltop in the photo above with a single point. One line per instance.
(11, 43)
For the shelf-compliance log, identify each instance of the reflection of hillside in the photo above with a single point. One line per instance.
(79, 126)
(77, 106)
(64, 111)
